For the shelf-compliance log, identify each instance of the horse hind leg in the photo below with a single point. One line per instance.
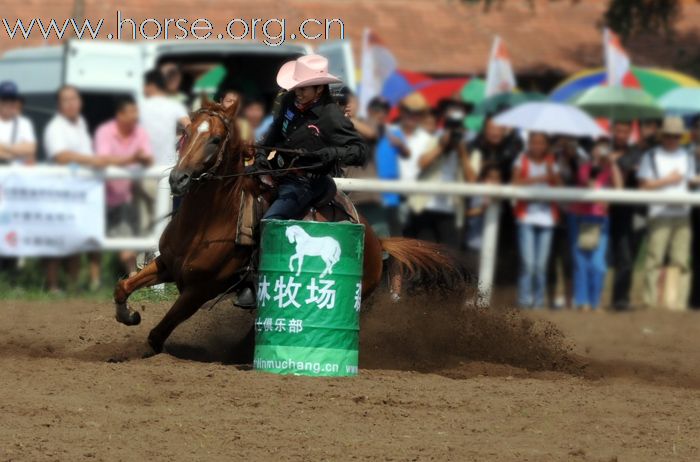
(150, 275)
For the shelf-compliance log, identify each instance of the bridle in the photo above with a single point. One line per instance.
(209, 173)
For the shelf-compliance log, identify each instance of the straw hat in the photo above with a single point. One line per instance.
(673, 125)
(415, 102)
(305, 71)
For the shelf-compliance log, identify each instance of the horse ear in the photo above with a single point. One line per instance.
(206, 103)
(232, 111)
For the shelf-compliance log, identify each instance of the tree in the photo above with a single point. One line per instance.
(630, 17)
(626, 17)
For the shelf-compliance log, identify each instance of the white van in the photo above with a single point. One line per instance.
(103, 70)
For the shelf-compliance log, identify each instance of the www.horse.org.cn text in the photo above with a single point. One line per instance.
(271, 31)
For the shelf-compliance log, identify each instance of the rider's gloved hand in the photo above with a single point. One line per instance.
(324, 155)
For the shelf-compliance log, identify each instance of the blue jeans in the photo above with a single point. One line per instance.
(534, 243)
(294, 195)
(590, 266)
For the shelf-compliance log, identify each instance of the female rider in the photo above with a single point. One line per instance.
(311, 122)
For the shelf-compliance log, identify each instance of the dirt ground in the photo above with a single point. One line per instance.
(438, 382)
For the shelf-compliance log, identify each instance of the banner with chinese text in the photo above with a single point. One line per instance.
(49, 216)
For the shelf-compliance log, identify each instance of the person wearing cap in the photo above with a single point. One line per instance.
(399, 151)
(17, 138)
(17, 145)
(668, 169)
(310, 121)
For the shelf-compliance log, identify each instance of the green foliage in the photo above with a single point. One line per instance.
(626, 17)
(629, 17)
(29, 284)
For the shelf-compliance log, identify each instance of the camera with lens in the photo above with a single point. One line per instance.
(341, 96)
(454, 125)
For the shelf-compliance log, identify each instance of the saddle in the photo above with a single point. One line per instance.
(331, 205)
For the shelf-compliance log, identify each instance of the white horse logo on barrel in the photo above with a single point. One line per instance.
(325, 247)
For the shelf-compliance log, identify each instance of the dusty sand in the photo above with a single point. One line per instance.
(438, 383)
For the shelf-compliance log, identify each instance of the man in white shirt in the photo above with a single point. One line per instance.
(410, 139)
(161, 115)
(17, 145)
(439, 217)
(67, 141)
(668, 168)
(17, 139)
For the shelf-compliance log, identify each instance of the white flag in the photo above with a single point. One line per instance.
(499, 75)
(377, 65)
(617, 62)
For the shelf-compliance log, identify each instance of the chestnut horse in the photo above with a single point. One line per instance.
(198, 250)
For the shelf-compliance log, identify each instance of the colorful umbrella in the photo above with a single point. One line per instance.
(474, 91)
(504, 101)
(434, 91)
(401, 84)
(654, 81)
(682, 101)
(437, 90)
(618, 103)
(550, 118)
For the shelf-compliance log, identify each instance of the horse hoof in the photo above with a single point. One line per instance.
(156, 345)
(148, 354)
(132, 318)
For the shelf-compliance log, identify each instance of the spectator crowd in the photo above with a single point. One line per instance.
(565, 251)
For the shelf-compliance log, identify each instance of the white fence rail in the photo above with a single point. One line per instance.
(489, 248)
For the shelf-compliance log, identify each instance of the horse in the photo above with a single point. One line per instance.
(325, 247)
(198, 251)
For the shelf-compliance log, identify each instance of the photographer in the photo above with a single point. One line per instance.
(439, 217)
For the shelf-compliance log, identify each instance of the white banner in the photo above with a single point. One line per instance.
(47, 215)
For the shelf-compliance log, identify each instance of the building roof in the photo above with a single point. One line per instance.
(433, 36)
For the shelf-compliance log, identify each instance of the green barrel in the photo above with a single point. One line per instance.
(309, 294)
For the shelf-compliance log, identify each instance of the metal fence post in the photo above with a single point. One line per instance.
(489, 249)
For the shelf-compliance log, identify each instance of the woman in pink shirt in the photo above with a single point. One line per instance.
(589, 227)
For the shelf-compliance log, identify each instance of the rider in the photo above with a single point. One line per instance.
(310, 122)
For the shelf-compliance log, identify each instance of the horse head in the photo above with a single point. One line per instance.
(210, 143)
(292, 233)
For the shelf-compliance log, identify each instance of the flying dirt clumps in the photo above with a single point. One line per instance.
(432, 334)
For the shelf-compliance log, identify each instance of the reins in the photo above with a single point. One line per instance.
(209, 174)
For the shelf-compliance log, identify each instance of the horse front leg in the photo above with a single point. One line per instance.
(184, 307)
(300, 259)
(150, 275)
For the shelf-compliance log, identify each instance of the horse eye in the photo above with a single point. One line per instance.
(215, 140)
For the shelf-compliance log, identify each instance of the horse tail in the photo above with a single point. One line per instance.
(427, 262)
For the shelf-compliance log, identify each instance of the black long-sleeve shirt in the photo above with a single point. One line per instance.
(321, 126)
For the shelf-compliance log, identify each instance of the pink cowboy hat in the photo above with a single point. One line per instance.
(305, 71)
